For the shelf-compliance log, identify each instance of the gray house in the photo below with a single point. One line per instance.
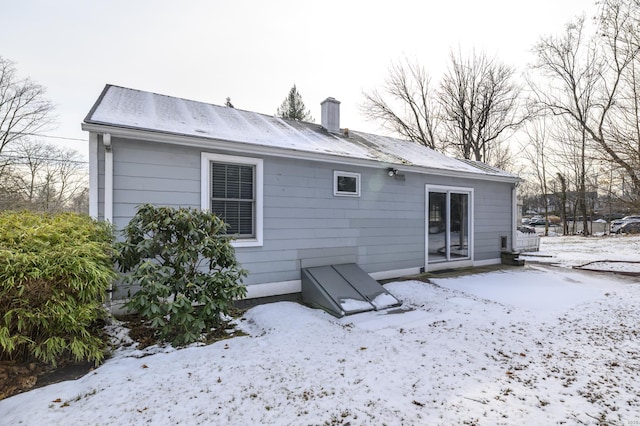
(297, 194)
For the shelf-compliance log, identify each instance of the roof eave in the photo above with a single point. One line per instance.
(252, 149)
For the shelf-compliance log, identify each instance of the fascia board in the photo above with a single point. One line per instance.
(253, 149)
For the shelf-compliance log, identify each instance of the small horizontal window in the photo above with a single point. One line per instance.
(346, 184)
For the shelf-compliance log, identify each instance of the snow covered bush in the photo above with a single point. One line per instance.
(185, 269)
(54, 273)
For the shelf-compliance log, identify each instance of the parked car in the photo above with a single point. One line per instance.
(617, 225)
(539, 221)
(527, 229)
(632, 227)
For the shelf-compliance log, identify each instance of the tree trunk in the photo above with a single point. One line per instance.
(563, 204)
(582, 192)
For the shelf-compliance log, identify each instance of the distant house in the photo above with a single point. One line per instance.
(297, 194)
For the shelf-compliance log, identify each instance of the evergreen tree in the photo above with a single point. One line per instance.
(293, 107)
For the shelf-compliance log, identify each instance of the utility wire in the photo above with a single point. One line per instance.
(48, 136)
(57, 137)
(34, 157)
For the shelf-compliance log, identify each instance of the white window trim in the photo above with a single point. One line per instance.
(337, 193)
(205, 191)
(449, 189)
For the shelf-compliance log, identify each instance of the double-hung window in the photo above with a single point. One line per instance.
(232, 189)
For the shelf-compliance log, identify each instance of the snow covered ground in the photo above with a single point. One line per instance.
(577, 250)
(535, 345)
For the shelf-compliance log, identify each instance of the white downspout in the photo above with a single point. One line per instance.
(108, 193)
(93, 175)
(514, 215)
(108, 178)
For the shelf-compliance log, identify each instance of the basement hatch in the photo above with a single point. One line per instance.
(344, 290)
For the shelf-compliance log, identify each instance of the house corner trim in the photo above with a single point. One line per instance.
(108, 177)
(93, 175)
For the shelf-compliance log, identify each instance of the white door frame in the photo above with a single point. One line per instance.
(448, 190)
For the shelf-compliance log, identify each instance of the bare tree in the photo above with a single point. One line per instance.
(536, 151)
(30, 158)
(23, 108)
(573, 69)
(593, 81)
(43, 177)
(480, 105)
(64, 179)
(33, 174)
(574, 159)
(80, 203)
(406, 105)
(563, 203)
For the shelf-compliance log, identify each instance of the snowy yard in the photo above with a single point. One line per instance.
(536, 345)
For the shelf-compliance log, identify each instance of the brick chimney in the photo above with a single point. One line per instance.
(330, 115)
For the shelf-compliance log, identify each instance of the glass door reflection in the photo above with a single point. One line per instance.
(449, 223)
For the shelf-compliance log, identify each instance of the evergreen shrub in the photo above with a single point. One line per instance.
(185, 268)
(55, 271)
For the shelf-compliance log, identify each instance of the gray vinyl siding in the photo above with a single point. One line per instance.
(152, 173)
(378, 230)
(493, 218)
(304, 223)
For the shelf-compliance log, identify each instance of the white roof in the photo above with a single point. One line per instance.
(135, 109)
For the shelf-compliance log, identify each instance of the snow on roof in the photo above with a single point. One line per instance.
(135, 109)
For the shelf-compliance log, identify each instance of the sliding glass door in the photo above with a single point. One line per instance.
(437, 232)
(458, 226)
(449, 223)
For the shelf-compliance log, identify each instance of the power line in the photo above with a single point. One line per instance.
(48, 136)
(57, 160)
(58, 137)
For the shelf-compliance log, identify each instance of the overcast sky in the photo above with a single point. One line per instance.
(254, 51)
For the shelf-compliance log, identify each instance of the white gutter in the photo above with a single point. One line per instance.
(93, 175)
(254, 149)
(108, 178)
